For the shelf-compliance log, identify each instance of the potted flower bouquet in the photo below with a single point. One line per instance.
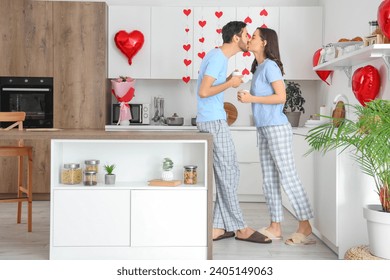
(369, 138)
(123, 89)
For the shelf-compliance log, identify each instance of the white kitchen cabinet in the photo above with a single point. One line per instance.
(170, 41)
(300, 35)
(251, 181)
(131, 220)
(213, 18)
(129, 18)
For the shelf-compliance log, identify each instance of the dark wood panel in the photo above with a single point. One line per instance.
(80, 65)
(26, 38)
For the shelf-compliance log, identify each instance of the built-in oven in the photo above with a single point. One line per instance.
(33, 95)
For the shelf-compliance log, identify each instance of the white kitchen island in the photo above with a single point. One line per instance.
(131, 220)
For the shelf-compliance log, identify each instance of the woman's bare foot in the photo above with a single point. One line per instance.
(218, 232)
(304, 227)
(245, 232)
(275, 228)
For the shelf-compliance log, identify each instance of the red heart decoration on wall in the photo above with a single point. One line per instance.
(264, 26)
(366, 83)
(218, 14)
(187, 62)
(201, 40)
(202, 23)
(129, 43)
(219, 30)
(187, 47)
(186, 79)
(187, 12)
(264, 12)
(248, 20)
(245, 72)
(187, 29)
(201, 54)
(246, 54)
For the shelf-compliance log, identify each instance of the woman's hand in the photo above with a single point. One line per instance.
(244, 96)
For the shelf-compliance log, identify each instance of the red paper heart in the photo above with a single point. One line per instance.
(264, 12)
(246, 54)
(187, 61)
(219, 30)
(202, 23)
(201, 40)
(323, 74)
(383, 17)
(249, 36)
(245, 72)
(366, 83)
(218, 14)
(248, 20)
(264, 26)
(201, 54)
(187, 29)
(129, 43)
(186, 79)
(187, 47)
(187, 12)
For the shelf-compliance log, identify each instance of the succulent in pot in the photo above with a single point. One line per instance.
(167, 173)
(294, 103)
(109, 178)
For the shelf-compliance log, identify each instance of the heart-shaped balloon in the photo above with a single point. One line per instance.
(323, 74)
(383, 17)
(366, 83)
(129, 43)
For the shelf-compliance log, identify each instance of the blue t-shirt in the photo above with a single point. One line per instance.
(215, 65)
(266, 114)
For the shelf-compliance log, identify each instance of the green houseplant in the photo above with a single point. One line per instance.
(368, 139)
(109, 178)
(294, 103)
(167, 166)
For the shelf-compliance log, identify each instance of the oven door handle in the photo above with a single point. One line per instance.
(25, 89)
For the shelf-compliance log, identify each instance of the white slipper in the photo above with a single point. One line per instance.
(297, 239)
(269, 234)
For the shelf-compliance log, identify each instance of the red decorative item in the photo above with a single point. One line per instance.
(383, 17)
(218, 14)
(187, 47)
(366, 83)
(129, 43)
(187, 29)
(202, 23)
(245, 72)
(248, 20)
(201, 54)
(187, 61)
(219, 30)
(264, 12)
(201, 40)
(187, 12)
(186, 79)
(246, 54)
(323, 74)
(264, 26)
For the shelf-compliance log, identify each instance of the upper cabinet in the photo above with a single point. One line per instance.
(177, 38)
(300, 35)
(129, 18)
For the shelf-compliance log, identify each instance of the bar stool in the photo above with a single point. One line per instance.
(24, 186)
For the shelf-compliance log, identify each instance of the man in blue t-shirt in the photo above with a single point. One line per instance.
(211, 117)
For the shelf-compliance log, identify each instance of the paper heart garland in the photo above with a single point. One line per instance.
(187, 12)
(264, 13)
(129, 43)
(366, 83)
(218, 14)
(323, 74)
(384, 17)
(186, 79)
(248, 20)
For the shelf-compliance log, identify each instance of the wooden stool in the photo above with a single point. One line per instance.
(24, 187)
(361, 252)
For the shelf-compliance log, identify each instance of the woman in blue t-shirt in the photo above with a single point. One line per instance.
(274, 132)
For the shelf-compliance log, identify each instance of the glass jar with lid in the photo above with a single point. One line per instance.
(90, 178)
(71, 174)
(92, 165)
(190, 175)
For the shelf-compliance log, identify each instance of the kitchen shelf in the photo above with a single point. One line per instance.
(364, 55)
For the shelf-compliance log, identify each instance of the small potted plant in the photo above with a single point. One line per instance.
(294, 103)
(109, 178)
(167, 173)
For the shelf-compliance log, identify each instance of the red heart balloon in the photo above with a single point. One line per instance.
(323, 74)
(129, 43)
(365, 84)
(383, 17)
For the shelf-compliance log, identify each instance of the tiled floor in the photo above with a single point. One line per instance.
(18, 244)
